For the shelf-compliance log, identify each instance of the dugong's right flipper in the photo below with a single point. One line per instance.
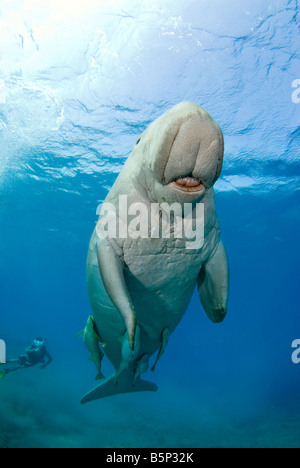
(213, 285)
(111, 268)
(126, 384)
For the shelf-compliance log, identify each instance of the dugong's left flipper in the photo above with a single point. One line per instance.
(213, 285)
(126, 384)
(111, 268)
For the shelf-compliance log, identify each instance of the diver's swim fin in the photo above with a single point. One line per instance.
(3, 374)
(125, 385)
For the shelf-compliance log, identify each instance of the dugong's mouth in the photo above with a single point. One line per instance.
(188, 184)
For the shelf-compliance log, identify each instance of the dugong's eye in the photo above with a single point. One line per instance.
(138, 141)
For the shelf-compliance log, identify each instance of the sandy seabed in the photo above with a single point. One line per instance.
(40, 409)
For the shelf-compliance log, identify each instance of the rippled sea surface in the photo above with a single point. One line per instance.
(79, 82)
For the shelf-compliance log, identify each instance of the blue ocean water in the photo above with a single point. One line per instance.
(78, 84)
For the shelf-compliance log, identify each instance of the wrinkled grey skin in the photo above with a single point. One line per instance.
(150, 282)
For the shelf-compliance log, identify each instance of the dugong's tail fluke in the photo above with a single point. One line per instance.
(125, 385)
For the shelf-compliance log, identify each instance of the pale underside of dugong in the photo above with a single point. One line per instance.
(140, 288)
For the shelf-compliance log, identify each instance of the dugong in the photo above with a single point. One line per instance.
(140, 286)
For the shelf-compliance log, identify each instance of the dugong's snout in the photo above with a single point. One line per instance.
(186, 159)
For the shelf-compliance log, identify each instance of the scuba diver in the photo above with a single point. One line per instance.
(36, 353)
